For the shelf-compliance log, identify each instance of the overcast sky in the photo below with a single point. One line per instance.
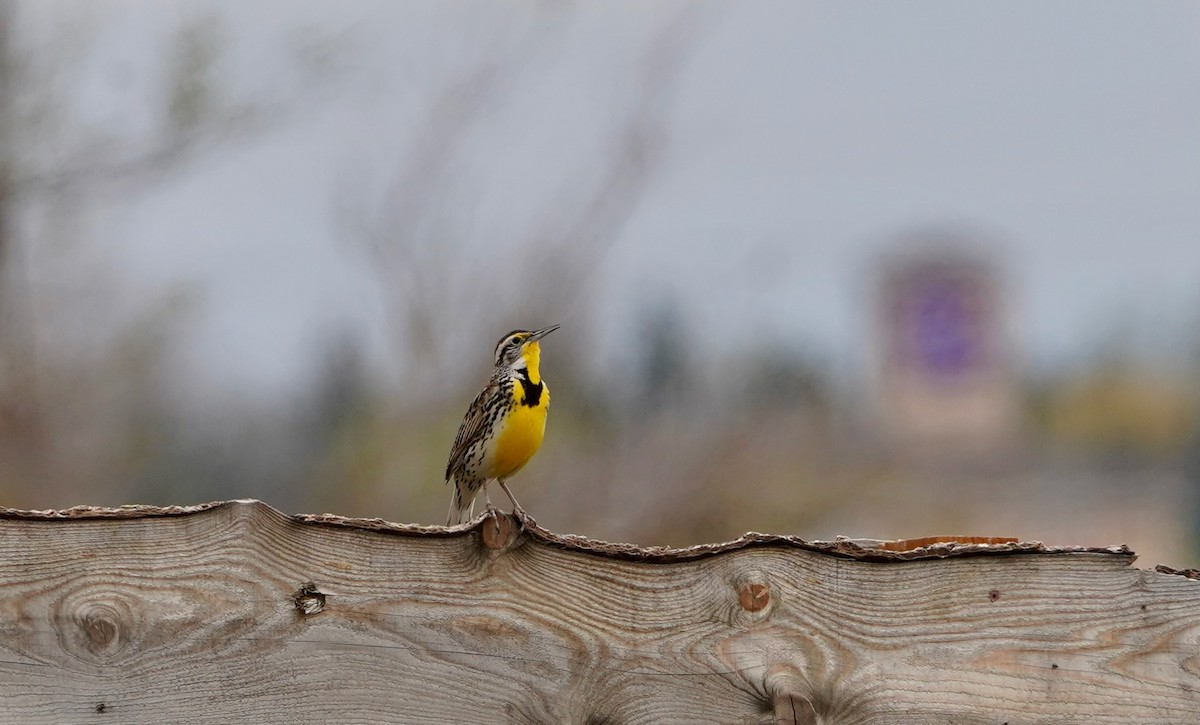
(803, 139)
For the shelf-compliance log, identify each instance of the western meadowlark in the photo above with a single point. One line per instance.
(503, 427)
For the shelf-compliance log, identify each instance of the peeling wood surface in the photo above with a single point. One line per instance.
(234, 612)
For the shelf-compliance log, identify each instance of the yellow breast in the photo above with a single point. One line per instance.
(519, 437)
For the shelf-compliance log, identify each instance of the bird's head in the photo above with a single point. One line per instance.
(519, 349)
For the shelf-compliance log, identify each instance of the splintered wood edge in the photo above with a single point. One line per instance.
(871, 550)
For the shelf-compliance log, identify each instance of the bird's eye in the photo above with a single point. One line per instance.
(516, 340)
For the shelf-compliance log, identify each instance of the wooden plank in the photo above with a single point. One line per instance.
(159, 616)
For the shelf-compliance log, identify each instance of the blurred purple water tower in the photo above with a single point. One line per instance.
(946, 385)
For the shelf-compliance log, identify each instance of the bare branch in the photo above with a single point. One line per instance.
(424, 262)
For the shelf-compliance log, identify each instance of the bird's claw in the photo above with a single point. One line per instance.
(495, 513)
(524, 519)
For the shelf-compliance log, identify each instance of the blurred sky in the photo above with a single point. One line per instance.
(803, 139)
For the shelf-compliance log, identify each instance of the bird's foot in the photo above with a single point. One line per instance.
(495, 513)
(524, 519)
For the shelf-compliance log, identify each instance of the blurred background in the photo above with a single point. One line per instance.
(874, 269)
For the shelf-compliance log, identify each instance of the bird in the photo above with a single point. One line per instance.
(504, 426)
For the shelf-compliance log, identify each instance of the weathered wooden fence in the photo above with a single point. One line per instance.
(234, 612)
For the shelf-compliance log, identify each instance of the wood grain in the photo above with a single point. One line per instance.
(202, 616)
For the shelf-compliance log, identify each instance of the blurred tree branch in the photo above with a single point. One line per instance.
(419, 235)
(53, 162)
(194, 119)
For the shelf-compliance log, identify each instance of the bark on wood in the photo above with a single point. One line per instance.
(234, 612)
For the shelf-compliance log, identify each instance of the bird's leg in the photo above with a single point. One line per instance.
(517, 510)
(490, 509)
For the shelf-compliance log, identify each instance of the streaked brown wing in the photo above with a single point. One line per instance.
(471, 429)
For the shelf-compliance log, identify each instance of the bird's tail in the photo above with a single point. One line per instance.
(462, 503)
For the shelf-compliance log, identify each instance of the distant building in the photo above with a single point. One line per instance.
(946, 385)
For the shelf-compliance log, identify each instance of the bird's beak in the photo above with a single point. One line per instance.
(539, 334)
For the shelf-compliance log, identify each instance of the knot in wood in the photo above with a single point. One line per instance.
(100, 628)
(497, 531)
(309, 599)
(754, 597)
(792, 698)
